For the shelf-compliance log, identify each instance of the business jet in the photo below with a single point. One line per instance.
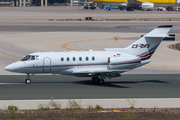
(98, 65)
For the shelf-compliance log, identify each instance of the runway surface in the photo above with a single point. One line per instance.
(68, 87)
(85, 26)
(27, 30)
(75, 12)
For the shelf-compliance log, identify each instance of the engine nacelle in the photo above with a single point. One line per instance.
(147, 5)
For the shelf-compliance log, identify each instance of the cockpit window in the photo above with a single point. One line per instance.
(30, 57)
(26, 58)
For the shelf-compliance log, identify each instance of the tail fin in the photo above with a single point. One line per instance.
(146, 46)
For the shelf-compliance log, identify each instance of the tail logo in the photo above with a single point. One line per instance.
(140, 45)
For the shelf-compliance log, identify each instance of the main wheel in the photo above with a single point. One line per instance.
(95, 79)
(170, 9)
(132, 9)
(27, 81)
(101, 81)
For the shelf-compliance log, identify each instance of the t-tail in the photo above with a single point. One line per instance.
(146, 46)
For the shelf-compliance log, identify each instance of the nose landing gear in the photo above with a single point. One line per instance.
(28, 80)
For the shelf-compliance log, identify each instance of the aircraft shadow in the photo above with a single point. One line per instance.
(114, 83)
(106, 84)
(144, 81)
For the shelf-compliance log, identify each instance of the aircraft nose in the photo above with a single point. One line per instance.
(10, 67)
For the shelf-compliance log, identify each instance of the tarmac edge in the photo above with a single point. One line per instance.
(105, 103)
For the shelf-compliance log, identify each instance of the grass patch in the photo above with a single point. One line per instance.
(72, 104)
(11, 112)
(175, 46)
(131, 103)
(178, 46)
(98, 107)
(43, 107)
(55, 105)
(85, 114)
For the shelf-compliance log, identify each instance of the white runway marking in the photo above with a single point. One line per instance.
(36, 83)
(10, 83)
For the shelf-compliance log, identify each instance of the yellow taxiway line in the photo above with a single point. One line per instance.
(10, 55)
(64, 45)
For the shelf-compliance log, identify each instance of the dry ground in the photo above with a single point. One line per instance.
(91, 114)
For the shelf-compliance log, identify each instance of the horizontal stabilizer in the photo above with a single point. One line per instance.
(161, 30)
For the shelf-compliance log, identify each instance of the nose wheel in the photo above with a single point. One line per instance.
(28, 81)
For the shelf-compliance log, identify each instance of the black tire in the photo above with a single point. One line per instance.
(132, 9)
(28, 81)
(101, 81)
(92, 8)
(86, 8)
(170, 9)
(95, 79)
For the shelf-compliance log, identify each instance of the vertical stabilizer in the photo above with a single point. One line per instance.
(146, 46)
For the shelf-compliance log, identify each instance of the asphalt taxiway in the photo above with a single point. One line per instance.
(27, 30)
(68, 87)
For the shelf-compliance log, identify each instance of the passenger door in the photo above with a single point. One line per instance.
(47, 65)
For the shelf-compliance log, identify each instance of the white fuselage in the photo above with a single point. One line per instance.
(98, 65)
(72, 62)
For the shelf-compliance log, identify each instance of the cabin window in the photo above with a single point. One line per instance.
(87, 58)
(80, 58)
(32, 57)
(93, 58)
(67, 58)
(62, 59)
(74, 58)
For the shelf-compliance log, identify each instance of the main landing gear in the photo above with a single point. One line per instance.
(131, 8)
(28, 80)
(98, 80)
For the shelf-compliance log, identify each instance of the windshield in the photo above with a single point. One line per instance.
(26, 58)
(31, 57)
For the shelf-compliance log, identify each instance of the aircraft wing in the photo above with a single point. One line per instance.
(98, 71)
(104, 73)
